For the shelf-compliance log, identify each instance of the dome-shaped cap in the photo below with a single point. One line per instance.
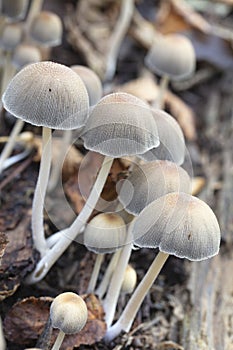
(91, 81)
(68, 313)
(15, 9)
(129, 281)
(46, 29)
(120, 124)
(172, 55)
(105, 233)
(150, 181)
(11, 36)
(178, 224)
(25, 54)
(172, 143)
(48, 94)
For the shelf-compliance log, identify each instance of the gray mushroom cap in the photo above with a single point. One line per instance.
(15, 9)
(46, 29)
(48, 94)
(105, 233)
(11, 36)
(120, 124)
(172, 55)
(172, 143)
(91, 81)
(150, 181)
(178, 224)
(25, 54)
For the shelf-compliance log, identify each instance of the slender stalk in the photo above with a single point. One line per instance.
(101, 290)
(159, 103)
(69, 234)
(8, 71)
(59, 340)
(95, 273)
(126, 319)
(40, 191)
(123, 23)
(57, 166)
(34, 10)
(110, 301)
(11, 142)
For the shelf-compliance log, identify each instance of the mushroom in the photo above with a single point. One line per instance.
(150, 181)
(120, 124)
(14, 9)
(178, 224)
(171, 56)
(129, 281)
(68, 313)
(50, 95)
(2, 339)
(172, 143)
(105, 233)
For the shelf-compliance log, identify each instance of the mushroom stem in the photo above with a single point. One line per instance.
(127, 7)
(126, 319)
(35, 8)
(40, 191)
(95, 273)
(100, 291)
(57, 166)
(11, 141)
(110, 301)
(159, 103)
(59, 340)
(69, 234)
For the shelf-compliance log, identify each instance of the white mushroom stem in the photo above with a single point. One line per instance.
(8, 71)
(110, 301)
(159, 103)
(126, 319)
(57, 166)
(123, 23)
(35, 8)
(95, 273)
(69, 234)
(11, 142)
(101, 290)
(40, 191)
(59, 340)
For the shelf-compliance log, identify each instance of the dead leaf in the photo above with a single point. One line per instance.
(177, 15)
(26, 320)
(3, 244)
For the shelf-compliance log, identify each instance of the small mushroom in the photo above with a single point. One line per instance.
(129, 281)
(150, 181)
(50, 95)
(178, 224)
(14, 9)
(105, 233)
(68, 313)
(171, 56)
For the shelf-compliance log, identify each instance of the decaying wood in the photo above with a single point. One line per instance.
(208, 324)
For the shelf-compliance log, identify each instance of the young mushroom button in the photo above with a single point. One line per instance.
(178, 224)
(50, 95)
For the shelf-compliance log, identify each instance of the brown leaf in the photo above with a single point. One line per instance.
(177, 15)
(26, 320)
(3, 244)
(17, 259)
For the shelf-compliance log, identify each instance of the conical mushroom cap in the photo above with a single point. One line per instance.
(172, 143)
(172, 55)
(46, 29)
(91, 81)
(150, 181)
(178, 224)
(105, 233)
(48, 94)
(120, 124)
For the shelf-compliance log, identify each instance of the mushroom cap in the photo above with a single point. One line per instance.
(46, 29)
(129, 281)
(48, 94)
(91, 81)
(150, 181)
(172, 55)
(172, 143)
(178, 224)
(11, 36)
(120, 124)
(68, 313)
(25, 54)
(105, 233)
(15, 9)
